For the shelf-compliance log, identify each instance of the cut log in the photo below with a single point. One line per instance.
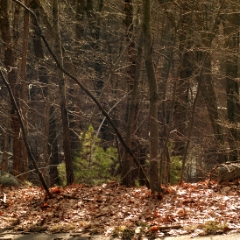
(228, 171)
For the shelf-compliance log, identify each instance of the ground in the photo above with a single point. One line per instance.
(112, 210)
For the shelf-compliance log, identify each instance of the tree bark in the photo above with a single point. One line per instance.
(80, 18)
(24, 91)
(207, 84)
(53, 150)
(127, 163)
(10, 64)
(153, 94)
(5, 141)
(49, 157)
(232, 86)
(181, 108)
(63, 105)
(19, 116)
(200, 82)
(127, 173)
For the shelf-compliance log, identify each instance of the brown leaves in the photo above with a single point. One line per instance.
(80, 208)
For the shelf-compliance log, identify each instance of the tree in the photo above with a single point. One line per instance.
(62, 88)
(133, 74)
(207, 85)
(10, 64)
(153, 95)
(231, 23)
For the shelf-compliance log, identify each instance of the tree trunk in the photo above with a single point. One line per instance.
(232, 86)
(80, 18)
(127, 162)
(45, 106)
(63, 105)
(127, 173)
(153, 94)
(24, 91)
(5, 141)
(53, 147)
(208, 92)
(183, 82)
(10, 64)
(207, 86)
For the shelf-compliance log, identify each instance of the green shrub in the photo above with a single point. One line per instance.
(94, 164)
(175, 169)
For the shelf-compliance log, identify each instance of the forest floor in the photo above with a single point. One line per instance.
(195, 209)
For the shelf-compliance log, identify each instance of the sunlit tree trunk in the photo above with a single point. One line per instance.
(153, 95)
(63, 105)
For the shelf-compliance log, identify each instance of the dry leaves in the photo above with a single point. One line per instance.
(198, 208)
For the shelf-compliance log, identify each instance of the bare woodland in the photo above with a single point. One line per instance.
(152, 84)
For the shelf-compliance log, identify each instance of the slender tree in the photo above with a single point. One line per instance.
(24, 89)
(63, 105)
(127, 162)
(10, 64)
(153, 95)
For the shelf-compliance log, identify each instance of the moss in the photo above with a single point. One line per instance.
(213, 227)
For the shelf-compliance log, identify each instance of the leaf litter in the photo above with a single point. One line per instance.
(190, 208)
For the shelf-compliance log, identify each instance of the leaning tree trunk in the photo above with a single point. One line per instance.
(153, 93)
(63, 105)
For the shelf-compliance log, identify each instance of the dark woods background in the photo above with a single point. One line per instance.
(165, 72)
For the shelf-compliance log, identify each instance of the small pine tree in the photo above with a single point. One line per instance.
(94, 164)
(175, 170)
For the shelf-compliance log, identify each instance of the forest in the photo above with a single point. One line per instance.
(139, 92)
(119, 117)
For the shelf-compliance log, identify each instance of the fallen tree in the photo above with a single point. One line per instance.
(226, 172)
